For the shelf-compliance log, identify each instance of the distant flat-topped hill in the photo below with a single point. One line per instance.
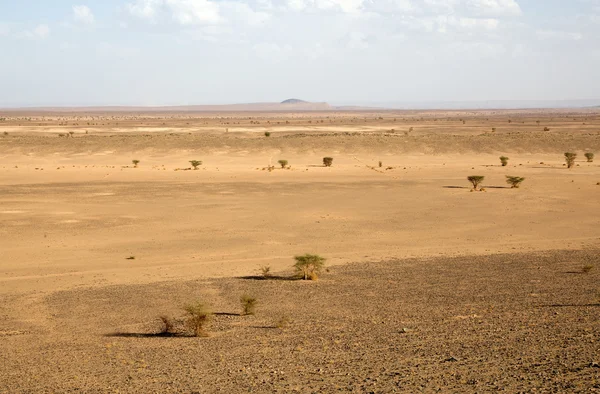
(294, 101)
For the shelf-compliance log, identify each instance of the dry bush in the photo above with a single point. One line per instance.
(195, 163)
(309, 266)
(514, 181)
(283, 163)
(589, 156)
(135, 162)
(283, 322)
(570, 159)
(267, 133)
(198, 316)
(504, 161)
(327, 161)
(587, 268)
(168, 325)
(546, 128)
(265, 271)
(248, 304)
(475, 180)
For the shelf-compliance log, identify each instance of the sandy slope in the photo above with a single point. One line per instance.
(73, 209)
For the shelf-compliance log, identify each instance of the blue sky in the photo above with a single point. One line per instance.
(172, 52)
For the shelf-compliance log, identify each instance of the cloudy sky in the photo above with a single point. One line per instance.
(165, 52)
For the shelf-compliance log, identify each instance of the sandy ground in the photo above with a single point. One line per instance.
(74, 209)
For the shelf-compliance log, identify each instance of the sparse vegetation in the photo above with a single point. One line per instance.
(248, 304)
(265, 271)
(196, 163)
(380, 164)
(589, 156)
(546, 128)
(131, 258)
(514, 181)
(504, 161)
(587, 268)
(327, 161)
(135, 163)
(283, 163)
(475, 180)
(168, 325)
(198, 316)
(570, 159)
(267, 133)
(283, 322)
(309, 266)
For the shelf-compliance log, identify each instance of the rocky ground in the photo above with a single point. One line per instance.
(505, 322)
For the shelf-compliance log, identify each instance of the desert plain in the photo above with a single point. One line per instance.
(428, 286)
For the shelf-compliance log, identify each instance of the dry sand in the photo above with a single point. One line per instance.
(408, 245)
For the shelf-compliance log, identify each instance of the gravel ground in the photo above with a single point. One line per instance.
(507, 322)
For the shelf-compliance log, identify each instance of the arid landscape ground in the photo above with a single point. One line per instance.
(428, 287)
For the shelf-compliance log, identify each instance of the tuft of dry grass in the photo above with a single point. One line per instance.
(248, 304)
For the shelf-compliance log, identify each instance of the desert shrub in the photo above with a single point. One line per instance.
(267, 133)
(265, 271)
(198, 316)
(6, 133)
(570, 159)
(589, 156)
(309, 266)
(168, 325)
(195, 163)
(504, 161)
(475, 180)
(248, 304)
(514, 181)
(380, 164)
(283, 163)
(586, 268)
(135, 163)
(493, 129)
(283, 322)
(546, 128)
(327, 161)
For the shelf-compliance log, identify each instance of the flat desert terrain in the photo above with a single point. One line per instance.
(428, 286)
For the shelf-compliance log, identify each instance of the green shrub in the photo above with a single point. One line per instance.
(309, 266)
(327, 161)
(514, 181)
(198, 316)
(475, 180)
(135, 163)
(248, 304)
(589, 156)
(195, 163)
(283, 163)
(267, 133)
(570, 159)
(504, 161)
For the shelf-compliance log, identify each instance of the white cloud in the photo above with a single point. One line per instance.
(494, 8)
(40, 32)
(348, 6)
(558, 35)
(83, 14)
(145, 9)
(187, 12)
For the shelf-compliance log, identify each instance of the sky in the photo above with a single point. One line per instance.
(183, 52)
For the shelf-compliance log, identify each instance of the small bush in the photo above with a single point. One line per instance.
(198, 316)
(265, 271)
(283, 163)
(283, 322)
(587, 268)
(248, 304)
(475, 180)
(267, 133)
(380, 164)
(135, 163)
(589, 156)
(195, 163)
(309, 266)
(546, 129)
(514, 181)
(327, 161)
(504, 161)
(168, 325)
(570, 159)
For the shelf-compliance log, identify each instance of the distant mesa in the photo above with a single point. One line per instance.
(294, 101)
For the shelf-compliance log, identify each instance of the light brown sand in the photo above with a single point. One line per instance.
(73, 209)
